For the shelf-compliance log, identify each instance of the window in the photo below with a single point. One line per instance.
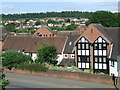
(112, 63)
(79, 46)
(100, 46)
(96, 59)
(100, 59)
(104, 59)
(83, 46)
(79, 59)
(96, 46)
(65, 55)
(87, 46)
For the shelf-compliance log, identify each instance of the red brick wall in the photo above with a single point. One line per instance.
(67, 74)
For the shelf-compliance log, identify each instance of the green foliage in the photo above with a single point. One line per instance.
(67, 20)
(10, 27)
(57, 28)
(53, 22)
(13, 58)
(46, 53)
(71, 27)
(33, 67)
(47, 14)
(105, 18)
(71, 69)
(4, 82)
(41, 23)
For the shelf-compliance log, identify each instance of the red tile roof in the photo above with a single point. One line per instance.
(44, 31)
(30, 43)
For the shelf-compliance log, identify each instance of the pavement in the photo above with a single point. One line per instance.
(31, 81)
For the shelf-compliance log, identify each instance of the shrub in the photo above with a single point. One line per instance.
(4, 82)
(33, 67)
(13, 58)
(46, 53)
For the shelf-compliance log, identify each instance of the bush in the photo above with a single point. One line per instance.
(33, 67)
(4, 82)
(46, 53)
(13, 58)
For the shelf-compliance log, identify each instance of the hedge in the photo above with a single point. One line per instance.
(33, 67)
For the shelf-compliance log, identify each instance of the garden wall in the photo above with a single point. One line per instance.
(66, 74)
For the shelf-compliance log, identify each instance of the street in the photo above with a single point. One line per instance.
(30, 81)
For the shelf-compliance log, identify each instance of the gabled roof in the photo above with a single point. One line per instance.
(70, 43)
(67, 62)
(36, 42)
(66, 33)
(43, 30)
(30, 43)
(17, 42)
(102, 30)
(114, 34)
(3, 33)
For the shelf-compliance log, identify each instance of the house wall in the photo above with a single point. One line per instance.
(69, 56)
(34, 56)
(92, 33)
(113, 69)
(59, 59)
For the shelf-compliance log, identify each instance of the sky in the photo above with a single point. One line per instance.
(37, 6)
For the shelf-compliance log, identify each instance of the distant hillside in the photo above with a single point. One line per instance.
(63, 14)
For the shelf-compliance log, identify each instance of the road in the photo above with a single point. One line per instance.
(30, 81)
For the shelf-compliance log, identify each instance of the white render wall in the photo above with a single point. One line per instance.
(59, 59)
(113, 69)
(34, 56)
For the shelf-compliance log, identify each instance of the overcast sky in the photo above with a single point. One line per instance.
(32, 6)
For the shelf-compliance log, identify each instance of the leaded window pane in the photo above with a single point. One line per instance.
(83, 46)
(78, 46)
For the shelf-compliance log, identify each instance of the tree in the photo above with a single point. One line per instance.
(47, 53)
(13, 58)
(107, 19)
(10, 27)
(71, 27)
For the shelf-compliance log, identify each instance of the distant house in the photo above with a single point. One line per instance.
(44, 31)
